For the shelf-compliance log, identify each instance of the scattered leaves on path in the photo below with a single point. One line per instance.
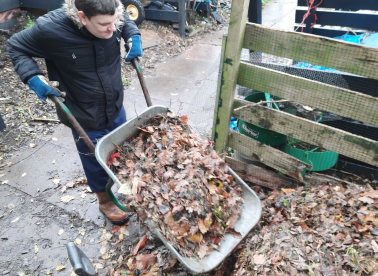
(67, 198)
(60, 267)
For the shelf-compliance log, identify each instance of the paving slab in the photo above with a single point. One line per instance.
(184, 68)
(61, 137)
(161, 87)
(33, 174)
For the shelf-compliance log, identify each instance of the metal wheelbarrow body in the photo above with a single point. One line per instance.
(251, 209)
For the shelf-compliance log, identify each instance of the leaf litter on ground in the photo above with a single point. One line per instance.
(324, 230)
(180, 183)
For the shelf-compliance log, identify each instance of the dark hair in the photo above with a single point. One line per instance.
(96, 7)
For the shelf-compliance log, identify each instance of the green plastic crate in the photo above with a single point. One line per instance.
(320, 161)
(260, 134)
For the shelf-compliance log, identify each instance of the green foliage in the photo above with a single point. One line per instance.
(265, 1)
(30, 22)
(126, 81)
(285, 202)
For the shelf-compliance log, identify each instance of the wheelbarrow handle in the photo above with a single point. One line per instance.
(71, 119)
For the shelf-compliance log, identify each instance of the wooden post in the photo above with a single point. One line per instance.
(254, 12)
(219, 85)
(229, 76)
(181, 18)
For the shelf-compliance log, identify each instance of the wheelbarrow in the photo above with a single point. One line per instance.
(251, 209)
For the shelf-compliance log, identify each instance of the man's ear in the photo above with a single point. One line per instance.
(82, 18)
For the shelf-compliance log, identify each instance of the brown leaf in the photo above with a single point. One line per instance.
(135, 186)
(179, 184)
(372, 194)
(169, 220)
(375, 246)
(233, 233)
(130, 164)
(145, 130)
(196, 238)
(141, 244)
(202, 226)
(366, 200)
(259, 259)
(340, 236)
(171, 263)
(276, 257)
(204, 250)
(193, 230)
(303, 226)
(184, 119)
(184, 228)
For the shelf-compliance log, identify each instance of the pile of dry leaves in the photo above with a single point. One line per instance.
(327, 230)
(180, 183)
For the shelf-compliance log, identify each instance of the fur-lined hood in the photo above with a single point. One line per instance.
(71, 12)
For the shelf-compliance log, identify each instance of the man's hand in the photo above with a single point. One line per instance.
(136, 48)
(39, 85)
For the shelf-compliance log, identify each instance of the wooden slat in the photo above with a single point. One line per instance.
(327, 52)
(352, 5)
(235, 38)
(326, 97)
(261, 176)
(267, 155)
(219, 86)
(328, 32)
(330, 138)
(354, 82)
(367, 21)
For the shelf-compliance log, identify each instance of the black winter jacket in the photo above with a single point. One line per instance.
(87, 68)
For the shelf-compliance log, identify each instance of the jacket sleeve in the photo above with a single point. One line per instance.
(22, 47)
(129, 28)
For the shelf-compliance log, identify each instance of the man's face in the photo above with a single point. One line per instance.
(101, 26)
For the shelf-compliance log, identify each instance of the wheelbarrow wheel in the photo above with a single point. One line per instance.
(135, 10)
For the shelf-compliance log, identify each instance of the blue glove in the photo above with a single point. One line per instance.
(136, 48)
(39, 85)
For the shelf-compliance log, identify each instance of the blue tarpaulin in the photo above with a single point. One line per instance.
(371, 41)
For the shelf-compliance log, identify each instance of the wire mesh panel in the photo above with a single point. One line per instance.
(347, 57)
(321, 79)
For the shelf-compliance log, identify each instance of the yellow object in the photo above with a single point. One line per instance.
(216, 183)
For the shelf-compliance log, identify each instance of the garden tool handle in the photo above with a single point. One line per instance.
(71, 119)
(135, 63)
(143, 84)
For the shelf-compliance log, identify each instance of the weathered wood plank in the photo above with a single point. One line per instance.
(328, 32)
(235, 38)
(219, 85)
(330, 138)
(326, 97)
(327, 52)
(317, 179)
(261, 176)
(269, 156)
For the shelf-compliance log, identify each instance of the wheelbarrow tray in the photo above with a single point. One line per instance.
(251, 209)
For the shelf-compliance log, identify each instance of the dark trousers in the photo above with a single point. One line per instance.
(96, 175)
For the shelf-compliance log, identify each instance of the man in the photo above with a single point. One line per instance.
(81, 45)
